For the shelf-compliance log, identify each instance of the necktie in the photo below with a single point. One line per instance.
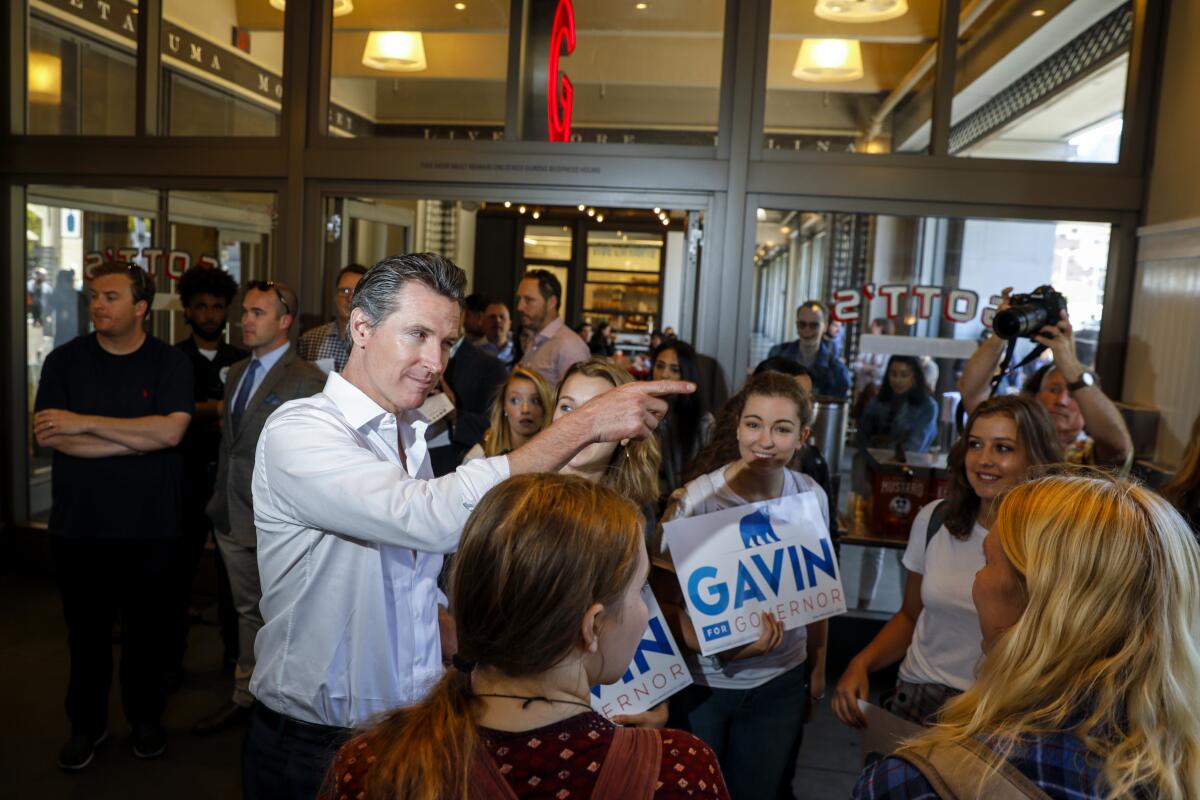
(243, 395)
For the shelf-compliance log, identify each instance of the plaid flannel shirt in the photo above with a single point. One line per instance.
(324, 342)
(1057, 763)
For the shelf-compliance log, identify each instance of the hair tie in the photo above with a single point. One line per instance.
(462, 665)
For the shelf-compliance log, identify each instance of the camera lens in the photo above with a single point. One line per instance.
(1020, 321)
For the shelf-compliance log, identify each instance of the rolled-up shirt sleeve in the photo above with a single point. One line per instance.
(309, 470)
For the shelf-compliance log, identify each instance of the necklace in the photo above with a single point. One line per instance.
(536, 699)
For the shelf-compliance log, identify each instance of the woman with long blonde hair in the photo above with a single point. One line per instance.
(546, 596)
(522, 408)
(1089, 607)
(629, 467)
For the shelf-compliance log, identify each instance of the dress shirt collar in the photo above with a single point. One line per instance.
(272, 358)
(359, 409)
(554, 327)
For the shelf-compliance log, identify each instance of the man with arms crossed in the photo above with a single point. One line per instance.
(352, 527)
(257, 386)
(114, 406)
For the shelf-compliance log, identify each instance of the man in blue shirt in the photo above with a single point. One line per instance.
(830, 375)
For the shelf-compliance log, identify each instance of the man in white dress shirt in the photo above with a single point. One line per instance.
(352, 526)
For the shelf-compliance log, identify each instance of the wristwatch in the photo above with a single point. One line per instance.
(1088, 378)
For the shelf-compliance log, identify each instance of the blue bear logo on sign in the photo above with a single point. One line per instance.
(756, 529)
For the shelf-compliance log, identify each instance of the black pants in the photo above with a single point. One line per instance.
(190, 549)
(100, 579)
(285, 761)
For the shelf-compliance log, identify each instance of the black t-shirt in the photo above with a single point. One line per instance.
(202, 442)
(117, 497)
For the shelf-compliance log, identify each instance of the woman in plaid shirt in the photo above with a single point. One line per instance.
(1089, 605)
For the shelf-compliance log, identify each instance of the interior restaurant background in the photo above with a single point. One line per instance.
(702, 164)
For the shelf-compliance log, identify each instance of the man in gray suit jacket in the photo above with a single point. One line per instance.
(255, 387)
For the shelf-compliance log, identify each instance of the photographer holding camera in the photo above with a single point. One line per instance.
(1066, 388)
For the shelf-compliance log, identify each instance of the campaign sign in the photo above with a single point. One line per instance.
(736, 564)
(657, 672)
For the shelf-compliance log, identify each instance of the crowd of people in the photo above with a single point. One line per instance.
(434, 533)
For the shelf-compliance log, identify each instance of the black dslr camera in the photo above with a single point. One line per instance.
(1029, 313)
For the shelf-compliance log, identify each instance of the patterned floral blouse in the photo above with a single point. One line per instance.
(561, 761)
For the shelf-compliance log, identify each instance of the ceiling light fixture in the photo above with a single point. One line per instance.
(666, 221)
(537, 215)
(581, 207)
(521, 209)
(340, 7)
(657, 210)
(591, 212)
(1040, 12)
(460, 6)
(860, 10)
(508, 204)
(395, 51)
(829, 60)
(599, 218)
(44, 78)
(642, 6)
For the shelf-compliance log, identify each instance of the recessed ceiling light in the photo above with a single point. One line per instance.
(658, 211)
(860, 10)
(460, 6)
(537, 215)
(666, 221)
(521, 209)
(340, 7)
(591, 212)
(642, 6)
(1041, 12)
(508, 204)
(599, 218)
(581, 207)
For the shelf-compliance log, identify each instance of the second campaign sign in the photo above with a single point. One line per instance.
(736, 564)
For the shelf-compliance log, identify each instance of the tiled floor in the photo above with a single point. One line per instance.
(33, 666)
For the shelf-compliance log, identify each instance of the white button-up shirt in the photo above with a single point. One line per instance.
(349, 549)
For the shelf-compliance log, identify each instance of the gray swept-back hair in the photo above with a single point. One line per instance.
(378, 293)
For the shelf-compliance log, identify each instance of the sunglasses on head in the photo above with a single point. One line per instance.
(266, 286)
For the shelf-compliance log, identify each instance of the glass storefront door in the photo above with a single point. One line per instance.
(70, 229)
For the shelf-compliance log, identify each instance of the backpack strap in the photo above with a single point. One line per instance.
(968, 770)
(631, 768)
(936, 520)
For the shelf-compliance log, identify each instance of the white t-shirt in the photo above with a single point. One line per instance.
(710, 493)
(947, 643)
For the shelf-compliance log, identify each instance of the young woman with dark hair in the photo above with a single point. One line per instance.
(546, 596)
(903, 412)
(603, 342)
(936, 632)
(687, 426)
